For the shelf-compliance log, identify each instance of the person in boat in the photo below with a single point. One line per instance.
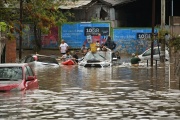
(110, 43)
(84, 50)
(67, 57)
(75, 56)
(98, 45)
(103, 48)
(135, 60)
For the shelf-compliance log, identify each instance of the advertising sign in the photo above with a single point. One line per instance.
(77, 34)
(132, 40)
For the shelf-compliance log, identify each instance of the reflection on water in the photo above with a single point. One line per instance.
(74, 92)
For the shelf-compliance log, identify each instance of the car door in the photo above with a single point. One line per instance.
(156, 53)
(32, 84)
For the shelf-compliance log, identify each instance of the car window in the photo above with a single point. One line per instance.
(23, 60)
(147, 53)
(101, 56)
(29, 59)
(156, 51)
(28, 72)
(47, 59)
(11, 73)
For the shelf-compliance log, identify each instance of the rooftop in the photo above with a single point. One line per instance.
(70, 4)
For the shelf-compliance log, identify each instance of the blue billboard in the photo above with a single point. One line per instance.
(132, 40)
(77, 34)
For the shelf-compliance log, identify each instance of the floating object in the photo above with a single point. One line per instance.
(68, 62)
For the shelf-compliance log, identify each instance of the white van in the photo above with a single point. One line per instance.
(156, 56)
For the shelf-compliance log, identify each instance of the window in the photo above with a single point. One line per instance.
(156, 51)
(29, 59)
(11, 73)
(28, 72)
(47, 59)
(147, 53)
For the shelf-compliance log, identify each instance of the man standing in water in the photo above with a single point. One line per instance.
(63, 47)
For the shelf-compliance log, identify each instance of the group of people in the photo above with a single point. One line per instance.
(109, 44)
(64, 49)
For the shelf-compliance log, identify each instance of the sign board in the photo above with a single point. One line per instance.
(132, 40)
(77, 34)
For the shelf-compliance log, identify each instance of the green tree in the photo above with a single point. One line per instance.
(44, 14)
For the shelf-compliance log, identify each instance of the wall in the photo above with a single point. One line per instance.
(94, 13)
(49, 40)
(174, 22)
(10, 51)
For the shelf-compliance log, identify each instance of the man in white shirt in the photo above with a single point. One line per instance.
(63, 47)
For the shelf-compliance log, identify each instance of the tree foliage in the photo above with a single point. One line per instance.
(44, 14)
(174, 40)
(175, 43)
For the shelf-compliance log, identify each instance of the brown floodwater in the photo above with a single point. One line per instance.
(117, 92)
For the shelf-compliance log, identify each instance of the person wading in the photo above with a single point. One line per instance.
(135, 60)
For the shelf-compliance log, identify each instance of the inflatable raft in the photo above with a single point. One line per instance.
(68, 62)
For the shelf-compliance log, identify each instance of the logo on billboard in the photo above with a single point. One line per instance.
(94, 31)
(143, 36)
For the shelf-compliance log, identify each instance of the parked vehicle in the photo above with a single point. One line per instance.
(97, 59)
(36, 59)
(17, 76)
(146, 55)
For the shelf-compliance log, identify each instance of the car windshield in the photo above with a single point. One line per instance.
(47, 59)
(10, 73)
(100, 55)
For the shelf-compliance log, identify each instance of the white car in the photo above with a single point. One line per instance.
(97, 59)
(156, 54)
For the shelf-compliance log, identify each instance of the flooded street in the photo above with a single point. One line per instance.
(118, 92)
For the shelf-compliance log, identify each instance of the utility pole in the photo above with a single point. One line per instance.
(152, 35)
(162, 55)
(172, 7)
(20, 34)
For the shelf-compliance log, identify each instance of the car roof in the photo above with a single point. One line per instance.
(38, 55)
(13, 64)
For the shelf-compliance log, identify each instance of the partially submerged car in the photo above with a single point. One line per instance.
(97, 59)
(17, 76)
(36, 59)
(146, 55)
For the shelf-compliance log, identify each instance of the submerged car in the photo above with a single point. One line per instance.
(146, 55)
(97, 59)
(36, 59)
(17, 76)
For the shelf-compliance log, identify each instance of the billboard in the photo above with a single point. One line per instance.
(77, 34)
(132, 40)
